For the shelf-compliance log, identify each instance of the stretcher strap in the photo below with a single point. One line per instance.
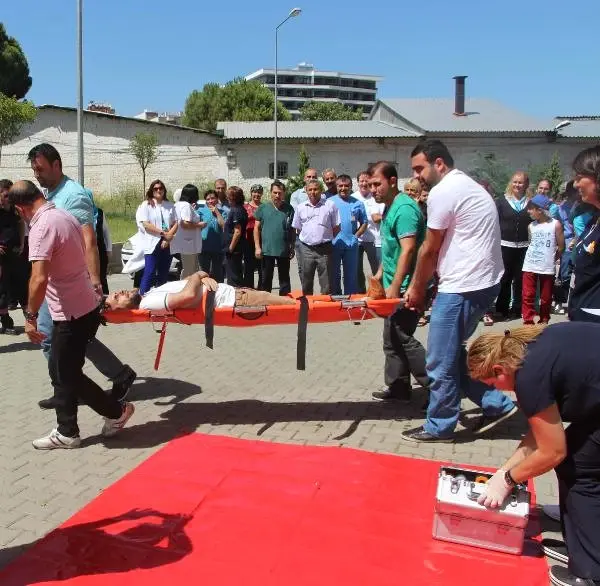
(161, 343)
(302, 327)
(209, 318)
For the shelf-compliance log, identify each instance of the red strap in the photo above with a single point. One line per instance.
(161, 343)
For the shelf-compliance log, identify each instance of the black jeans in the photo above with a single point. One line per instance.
(14, 277)
(69, 343)
(251, 264)
(579, 497)
(404, 354)
(283, 271)
(234, 266)
(511, 284)
(212, 263)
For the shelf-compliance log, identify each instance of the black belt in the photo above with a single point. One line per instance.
(316, 245)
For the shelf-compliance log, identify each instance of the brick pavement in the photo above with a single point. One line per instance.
(246, 387)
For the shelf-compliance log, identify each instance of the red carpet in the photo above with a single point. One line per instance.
(217, 511)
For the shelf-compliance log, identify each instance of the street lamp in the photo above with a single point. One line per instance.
(294, 12)
(80, 177)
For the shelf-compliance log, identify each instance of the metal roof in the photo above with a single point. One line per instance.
(329, 129)
(482, 115)
(580, 126)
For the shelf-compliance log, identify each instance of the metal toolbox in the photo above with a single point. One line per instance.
(459, 518)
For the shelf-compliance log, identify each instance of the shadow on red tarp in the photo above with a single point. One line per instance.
(223, 511)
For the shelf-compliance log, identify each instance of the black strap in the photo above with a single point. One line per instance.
(209, 318)
(302, 327)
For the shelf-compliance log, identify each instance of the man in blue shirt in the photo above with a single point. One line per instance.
(212, 256)
(67, 194)
(353, 219)
(330, 179)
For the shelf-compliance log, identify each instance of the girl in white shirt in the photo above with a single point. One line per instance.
(156, 219)
(188, 238)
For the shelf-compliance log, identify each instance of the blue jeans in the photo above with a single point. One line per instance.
(454, 318)
(156, 268)
(96, 352)
(347, 256)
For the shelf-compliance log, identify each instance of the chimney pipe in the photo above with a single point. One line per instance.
(459, 95)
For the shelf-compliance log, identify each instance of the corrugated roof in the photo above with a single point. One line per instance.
(299, 129)
(580, 127)
(482, 115)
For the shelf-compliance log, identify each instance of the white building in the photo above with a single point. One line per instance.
(166, 117)
(304, 83)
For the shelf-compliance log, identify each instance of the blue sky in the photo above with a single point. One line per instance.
(538, 56)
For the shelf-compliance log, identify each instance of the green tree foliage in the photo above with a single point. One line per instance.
(495, 172)
(329, 111)
(238, 100)
(551, 171)
(14, 69)
(144, 147)
(14, 115)
(297, 181)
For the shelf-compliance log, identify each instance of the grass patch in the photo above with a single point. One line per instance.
(119, 210)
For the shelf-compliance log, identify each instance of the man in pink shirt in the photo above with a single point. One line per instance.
(60, 274)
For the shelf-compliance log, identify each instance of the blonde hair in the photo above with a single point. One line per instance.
(415, 183)
(509, 190)
(505, 349)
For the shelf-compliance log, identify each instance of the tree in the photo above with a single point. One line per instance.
(14, 69)
(297, 181)
(238, 100)
(551, 171)
(144, 147)
(14, 115)
(495, 172)
(329, 111)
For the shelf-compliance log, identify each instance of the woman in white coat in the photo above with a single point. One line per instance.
(188, 238)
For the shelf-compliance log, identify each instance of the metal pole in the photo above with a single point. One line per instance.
(275, 111)
(80, 92)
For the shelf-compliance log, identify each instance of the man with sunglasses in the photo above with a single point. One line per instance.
(69, 195)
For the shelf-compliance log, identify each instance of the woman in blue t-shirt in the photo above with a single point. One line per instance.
(585, 298)
(555, 374)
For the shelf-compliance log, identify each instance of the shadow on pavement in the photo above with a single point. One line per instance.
(137, 539)
(18, 346)
(184, 418)
(146, 389)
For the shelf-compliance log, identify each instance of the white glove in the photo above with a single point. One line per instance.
(496, 491)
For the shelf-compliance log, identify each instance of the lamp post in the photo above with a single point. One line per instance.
(294, 12)
(80, 177)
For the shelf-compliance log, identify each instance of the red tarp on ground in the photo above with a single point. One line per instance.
(219, 511)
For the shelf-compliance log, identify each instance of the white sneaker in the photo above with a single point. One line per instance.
(113, 426)
(55, 440)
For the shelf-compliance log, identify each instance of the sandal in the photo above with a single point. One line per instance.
(488, 320)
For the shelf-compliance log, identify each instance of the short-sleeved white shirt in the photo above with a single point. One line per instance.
(186, 240)
(157, 299)
(372, 233)
(160, 215)
(470, 258)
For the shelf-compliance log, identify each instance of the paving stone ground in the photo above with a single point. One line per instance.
(247, 387)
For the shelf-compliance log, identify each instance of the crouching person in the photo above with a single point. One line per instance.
(60, 275)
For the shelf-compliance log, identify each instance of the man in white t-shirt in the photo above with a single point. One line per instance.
(188, 293)
(463, 246)
(370, 241)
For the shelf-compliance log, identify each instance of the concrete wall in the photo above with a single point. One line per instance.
(184, 155)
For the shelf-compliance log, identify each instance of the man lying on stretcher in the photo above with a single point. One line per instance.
(188, 294)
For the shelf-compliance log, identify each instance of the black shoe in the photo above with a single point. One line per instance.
(8, 325)
(386, 394)
(419, 435)
(556, 550)
(487, 422)
(121, 387)
(49, 403)
(562, 577)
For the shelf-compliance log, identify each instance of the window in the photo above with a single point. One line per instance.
(282, 170)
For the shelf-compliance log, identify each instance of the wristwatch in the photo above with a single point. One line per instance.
(509, 479)
(29, 316)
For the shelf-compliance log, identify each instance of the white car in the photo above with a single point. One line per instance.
(129, 248)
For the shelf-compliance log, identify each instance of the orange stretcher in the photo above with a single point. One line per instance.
(308, 309)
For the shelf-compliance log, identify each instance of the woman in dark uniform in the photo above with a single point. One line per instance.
(555, 373)
(586, 294)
